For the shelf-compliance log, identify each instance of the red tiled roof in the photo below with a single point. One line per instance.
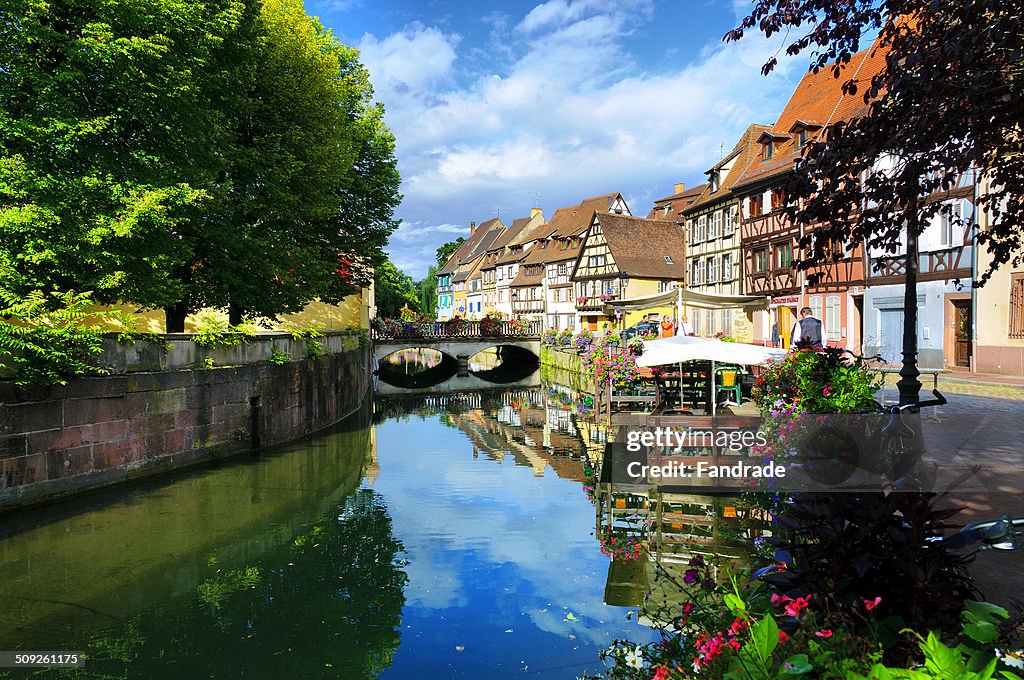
(746, 149)
(575, 219)
(676, 203)
(820, 98)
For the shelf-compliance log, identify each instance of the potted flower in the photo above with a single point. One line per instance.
(584, 340)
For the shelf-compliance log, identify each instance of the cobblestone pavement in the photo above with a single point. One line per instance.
(987, 432)
(990, 386)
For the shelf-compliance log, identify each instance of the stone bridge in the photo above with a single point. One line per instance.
(459, 340)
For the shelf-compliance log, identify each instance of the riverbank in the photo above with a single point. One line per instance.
(96, 432)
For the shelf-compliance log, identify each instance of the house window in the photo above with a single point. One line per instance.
(730, 217)
(727, 322)
(709, 264)
(702, 229)
(696, 322)
(783, 255)
(760, 260)
(832, 318)
(563, 269)
(766, 151)
(951, 225)
(596, 261)
(815, 306)
(668, 260)
(697, 275)
(713, 179)
(801, 139)
(690, 235)
(727, 267)
(778, 197)
(1017, 306)
(715, 226)
(710, 315)
(666, 286)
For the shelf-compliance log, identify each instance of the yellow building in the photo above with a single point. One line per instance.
(999, 310)
(355, 311)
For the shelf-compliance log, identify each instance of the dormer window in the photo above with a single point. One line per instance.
(801, 139)
(766, 151)
(714, 180)
(668, 260)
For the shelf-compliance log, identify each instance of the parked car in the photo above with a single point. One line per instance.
(640, 329)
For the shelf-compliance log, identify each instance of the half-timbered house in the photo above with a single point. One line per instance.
(713, 242)
(770, 242)
(625, 257)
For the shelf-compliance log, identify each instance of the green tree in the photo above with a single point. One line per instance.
(97, 172)
(394, 290)
(446, 250)
(184, 154)
(427, 289)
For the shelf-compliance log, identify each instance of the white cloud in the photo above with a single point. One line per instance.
(570, 115)
(412, 61)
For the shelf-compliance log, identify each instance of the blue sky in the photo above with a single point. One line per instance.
(500, 106)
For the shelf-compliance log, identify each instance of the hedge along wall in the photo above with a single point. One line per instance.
(99, 431)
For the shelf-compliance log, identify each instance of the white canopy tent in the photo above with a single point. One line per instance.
(681, 348)
(684, 296)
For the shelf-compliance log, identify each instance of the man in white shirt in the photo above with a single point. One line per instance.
(807, 329)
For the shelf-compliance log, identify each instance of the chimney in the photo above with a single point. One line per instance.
(680, 187)
(472, 228)
(536, 211)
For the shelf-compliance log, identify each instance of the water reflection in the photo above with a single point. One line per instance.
(442, 536)
(264, 568)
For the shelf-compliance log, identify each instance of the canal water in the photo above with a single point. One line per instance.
(442, 537)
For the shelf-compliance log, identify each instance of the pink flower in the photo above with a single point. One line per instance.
(824, 633)
(779, 599)
(871, 604)
(827, 391)
(793, 608)
(660, 674)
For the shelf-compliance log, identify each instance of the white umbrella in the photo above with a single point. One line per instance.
(683, 348)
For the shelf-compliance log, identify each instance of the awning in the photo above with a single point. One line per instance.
(691, 298)
(683, 348)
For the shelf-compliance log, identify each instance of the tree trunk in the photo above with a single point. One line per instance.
(234, 315)
(174, 318)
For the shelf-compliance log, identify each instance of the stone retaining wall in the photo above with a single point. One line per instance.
(99, 431)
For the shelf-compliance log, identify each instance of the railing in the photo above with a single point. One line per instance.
(395, 329)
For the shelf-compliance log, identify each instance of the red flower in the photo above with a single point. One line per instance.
(871, 604)
(783, 636)
(793, 607)
(824, 633)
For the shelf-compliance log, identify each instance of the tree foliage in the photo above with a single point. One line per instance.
(393, 289)
(427, 291)
(445, 251)
(947, 104)
(188, 154)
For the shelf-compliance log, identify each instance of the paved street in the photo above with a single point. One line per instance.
(988, 432)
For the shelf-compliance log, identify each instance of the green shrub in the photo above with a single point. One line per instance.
(47, 339)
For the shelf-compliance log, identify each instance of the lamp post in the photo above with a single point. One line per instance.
(909, 386)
